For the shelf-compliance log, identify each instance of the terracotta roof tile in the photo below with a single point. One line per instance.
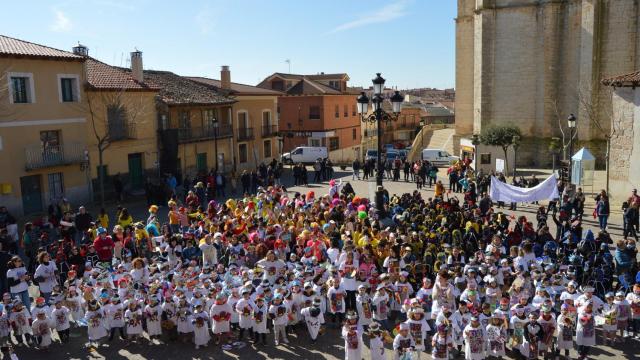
(630, 79)
(179, 90)
(20, 48)
(107, 77)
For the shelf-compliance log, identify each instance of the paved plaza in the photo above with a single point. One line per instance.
(329, 346)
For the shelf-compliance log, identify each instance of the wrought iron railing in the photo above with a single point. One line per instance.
(38, 157)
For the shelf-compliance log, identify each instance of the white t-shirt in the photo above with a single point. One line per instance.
(48, 272)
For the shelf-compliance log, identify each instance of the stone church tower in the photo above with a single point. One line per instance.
(533, 62)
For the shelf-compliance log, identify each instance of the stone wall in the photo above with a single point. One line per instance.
(625, 144)
(534, 60)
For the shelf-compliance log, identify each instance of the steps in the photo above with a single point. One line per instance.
(432, 136)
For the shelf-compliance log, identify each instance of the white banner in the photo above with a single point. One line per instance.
(546, 190)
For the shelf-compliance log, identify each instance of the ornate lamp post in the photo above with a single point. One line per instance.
(378, 117)
(515, 141)
(571, 123)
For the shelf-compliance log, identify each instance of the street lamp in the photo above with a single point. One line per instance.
(571, 123)
(215, 140)
(475, 140)
(515, 141)
(379, 116)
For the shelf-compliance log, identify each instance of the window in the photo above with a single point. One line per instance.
(354, 134)
(353, 110)
(183, 119)
(21, 88)
(267, 148)
(117, 122)
(314, 112)
(314, 142)
(56, 186)
(346, 111)
(297, 152)
(334, 143)
(243, 153)
(242, 120)
(50, 140)
(68, 88)
(485, 159)
(209, 116)
(266, 118)
(337, 111)
(277, 85)
(201, 161)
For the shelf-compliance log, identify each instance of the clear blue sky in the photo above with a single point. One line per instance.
(412, 42)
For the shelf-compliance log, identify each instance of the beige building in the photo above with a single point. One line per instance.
(533, 62)
(255, 118)
(122, 120)
(43, 143)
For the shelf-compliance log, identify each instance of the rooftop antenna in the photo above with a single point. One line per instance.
(288, 61)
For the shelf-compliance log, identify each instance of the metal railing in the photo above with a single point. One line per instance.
(124, 131)
(56, 155)
(186, 135)
(245, 134)
(269, 130)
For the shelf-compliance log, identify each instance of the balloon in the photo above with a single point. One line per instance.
(362, 215)
(362, 208)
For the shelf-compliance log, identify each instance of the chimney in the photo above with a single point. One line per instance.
(225, 77)
(81, 50)
(136, 65)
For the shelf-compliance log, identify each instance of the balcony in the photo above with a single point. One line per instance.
(188, 135)
(122, 131)
(269, 130)
(245, 134)
(56, 155)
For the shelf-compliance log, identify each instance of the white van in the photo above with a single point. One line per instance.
(438, 157)
(305, 155)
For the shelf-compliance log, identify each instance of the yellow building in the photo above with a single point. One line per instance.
(122, 121)
(42, 127)
(255, 116)
(196, 134)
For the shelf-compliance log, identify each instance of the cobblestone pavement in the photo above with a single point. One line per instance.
(329, 346)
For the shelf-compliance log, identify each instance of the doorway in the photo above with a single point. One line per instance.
(136, 175)
(31, 189)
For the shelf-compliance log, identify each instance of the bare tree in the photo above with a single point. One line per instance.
(597, 109)
(112, 114)
(566, 138)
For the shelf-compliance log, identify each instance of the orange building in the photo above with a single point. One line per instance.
(317, 110)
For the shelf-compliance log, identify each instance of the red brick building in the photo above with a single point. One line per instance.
(317, 110)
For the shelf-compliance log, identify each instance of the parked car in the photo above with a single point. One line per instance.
(371, 154)
(305, 155)
(438, 157)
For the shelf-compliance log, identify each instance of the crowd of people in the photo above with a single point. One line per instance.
(413, 276)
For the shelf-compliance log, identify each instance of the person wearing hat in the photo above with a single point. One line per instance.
(441, 343)
(549, 325)
(496, 336)
(114, 312)
(133, 317)
(418, 326)
(200, 322)
(244, 308)
(587, 295)
(336, 295)
(610, 314)
(352, 335)
(376, 342)
(380, 306)
(220, 312)
(533, 335)
(278, 312)
(259, 315)
(153, 316)
(60, 315)
(586, 329)
(474, 338)
(314, 318)
(564, 336)
(363, 306)
(624, 312)
(403, 343)
(104, 246)
(96, 323)
(41, 328)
